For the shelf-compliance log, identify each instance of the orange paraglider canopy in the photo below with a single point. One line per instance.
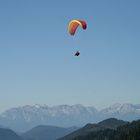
(73, 25)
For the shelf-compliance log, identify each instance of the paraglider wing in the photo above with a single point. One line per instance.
(73, 25)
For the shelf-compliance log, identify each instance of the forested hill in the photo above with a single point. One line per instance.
(130, 131)
(110, 123)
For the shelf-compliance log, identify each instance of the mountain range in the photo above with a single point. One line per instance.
(41, 132)
(109, 129)
(23, 118)
(44, 132)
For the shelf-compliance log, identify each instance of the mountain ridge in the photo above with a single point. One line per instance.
(129, 131)
(44, 132)
(110, 123)
(7, 134)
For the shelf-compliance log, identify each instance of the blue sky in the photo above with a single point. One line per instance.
(37, 63)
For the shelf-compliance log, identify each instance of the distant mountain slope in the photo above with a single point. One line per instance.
(1, 126)
(130, 131)
(112, 123)
(43, 132)
(106, 124)
(7, 134)
(27, 117)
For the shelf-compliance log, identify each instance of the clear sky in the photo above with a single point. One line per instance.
(37, 62)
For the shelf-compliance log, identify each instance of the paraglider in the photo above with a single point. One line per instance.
(72, 27)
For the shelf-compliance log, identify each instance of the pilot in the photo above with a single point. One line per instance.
(77, 53)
